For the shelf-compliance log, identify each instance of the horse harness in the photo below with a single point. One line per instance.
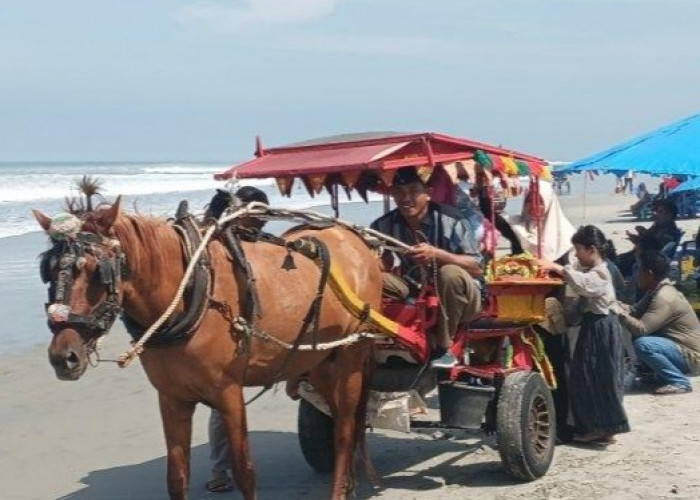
(243, 327)
(197, 292)
(68, 255)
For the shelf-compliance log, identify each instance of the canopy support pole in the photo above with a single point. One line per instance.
(585, 193)
(387, 203)
(334, 200)
(538, 210)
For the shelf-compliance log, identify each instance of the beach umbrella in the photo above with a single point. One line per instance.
(691, 185)
(670, 150)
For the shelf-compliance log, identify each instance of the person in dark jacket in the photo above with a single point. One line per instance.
(442, 240)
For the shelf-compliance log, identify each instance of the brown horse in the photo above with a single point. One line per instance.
(207, 368)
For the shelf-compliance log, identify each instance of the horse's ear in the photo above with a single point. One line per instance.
(109, 216)
(43, 219)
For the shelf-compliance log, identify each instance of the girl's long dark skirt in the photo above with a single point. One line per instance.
(596, 385)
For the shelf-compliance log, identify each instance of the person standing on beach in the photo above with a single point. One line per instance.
(629, 183)
(596, 372)
(220, 450)
(619, 185)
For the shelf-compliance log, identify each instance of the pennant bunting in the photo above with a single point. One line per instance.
(284, 184)
(316, 182)
(387, 177)
(350, 178)
(424, 173)
(307, 184)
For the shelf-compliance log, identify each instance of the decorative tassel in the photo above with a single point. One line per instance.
(482, 159)
(523, 168)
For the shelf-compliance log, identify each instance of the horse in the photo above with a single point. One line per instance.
(146, 260)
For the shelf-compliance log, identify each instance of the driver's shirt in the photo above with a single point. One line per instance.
(443, 227)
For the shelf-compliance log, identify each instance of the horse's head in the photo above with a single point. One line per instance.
(84, 271)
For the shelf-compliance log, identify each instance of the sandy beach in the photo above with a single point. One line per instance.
(101, 437)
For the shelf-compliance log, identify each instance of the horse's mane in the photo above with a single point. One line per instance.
(140, 236)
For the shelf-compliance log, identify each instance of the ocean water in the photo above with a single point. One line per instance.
(152, 188)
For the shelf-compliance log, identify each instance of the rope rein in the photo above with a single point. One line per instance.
(262, 211)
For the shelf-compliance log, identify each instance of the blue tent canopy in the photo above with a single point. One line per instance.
(670, 150)
(691, 185)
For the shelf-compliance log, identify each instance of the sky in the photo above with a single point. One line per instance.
(162, 80)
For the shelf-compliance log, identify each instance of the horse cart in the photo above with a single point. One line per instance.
(503, 380)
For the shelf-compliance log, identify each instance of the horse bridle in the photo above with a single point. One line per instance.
(68, 255)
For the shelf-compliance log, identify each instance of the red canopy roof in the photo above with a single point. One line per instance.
(386, 152)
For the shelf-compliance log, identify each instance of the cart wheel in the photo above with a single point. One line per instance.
(316, 431)
(526, 425)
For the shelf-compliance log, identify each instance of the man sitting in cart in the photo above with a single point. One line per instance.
(443, 242)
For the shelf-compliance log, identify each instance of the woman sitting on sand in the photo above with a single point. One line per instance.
(595, 379)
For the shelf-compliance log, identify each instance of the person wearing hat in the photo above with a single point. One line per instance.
(442, 241)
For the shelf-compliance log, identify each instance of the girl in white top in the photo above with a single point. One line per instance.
(595, 378)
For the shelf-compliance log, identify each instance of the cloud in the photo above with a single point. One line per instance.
(260, 23)
(377, 45)
(235, 14)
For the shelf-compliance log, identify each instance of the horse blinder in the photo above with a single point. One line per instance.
(69, 255)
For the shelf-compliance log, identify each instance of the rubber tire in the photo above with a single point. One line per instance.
(515, 444)
(316, 432)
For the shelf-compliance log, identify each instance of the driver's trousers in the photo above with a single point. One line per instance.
(460, 299)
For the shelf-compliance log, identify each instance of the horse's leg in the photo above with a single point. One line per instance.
(340, 381)
(233, 413)
(360, 424)
(177, 426)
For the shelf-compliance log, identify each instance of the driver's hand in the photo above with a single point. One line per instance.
(425, 253)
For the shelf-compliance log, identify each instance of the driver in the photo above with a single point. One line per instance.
(442, 241)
